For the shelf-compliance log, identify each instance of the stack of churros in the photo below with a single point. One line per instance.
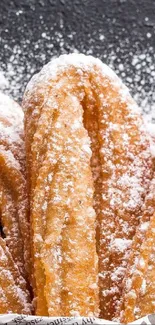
(85, 217)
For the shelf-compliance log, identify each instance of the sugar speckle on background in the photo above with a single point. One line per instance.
(12, 79)
(40, 32)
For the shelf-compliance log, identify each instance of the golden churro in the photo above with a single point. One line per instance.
(138, 298)
(14, 297)
(77, 105)
(14, 223)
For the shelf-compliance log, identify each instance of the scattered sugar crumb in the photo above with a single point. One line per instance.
(19, 69)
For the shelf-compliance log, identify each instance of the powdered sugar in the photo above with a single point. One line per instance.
(119, 164)
(11, 123)
(80, 62)
(14, 76)
(151, 130)
(3, 81)
(10, 109)
(120, 244)
(14, 223)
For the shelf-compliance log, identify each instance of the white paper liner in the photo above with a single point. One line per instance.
(13, 319)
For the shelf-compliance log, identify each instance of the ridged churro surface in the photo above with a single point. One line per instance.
(15, 270)
(89, 164)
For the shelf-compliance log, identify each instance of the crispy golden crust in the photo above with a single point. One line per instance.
(138, 297)
(13, 209)
(139, 292)
(66, 219)
(14, 297)
(76, 104)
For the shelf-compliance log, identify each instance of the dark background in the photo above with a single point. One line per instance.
(120, 32)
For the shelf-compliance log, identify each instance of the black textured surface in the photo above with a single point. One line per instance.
(117, 31)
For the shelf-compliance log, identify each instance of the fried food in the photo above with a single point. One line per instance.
(138, 297)
(76, 105)
(151, 130)
(139, 283)
(11, 128)
(14, 219)
(65, 258)
(14, 297)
